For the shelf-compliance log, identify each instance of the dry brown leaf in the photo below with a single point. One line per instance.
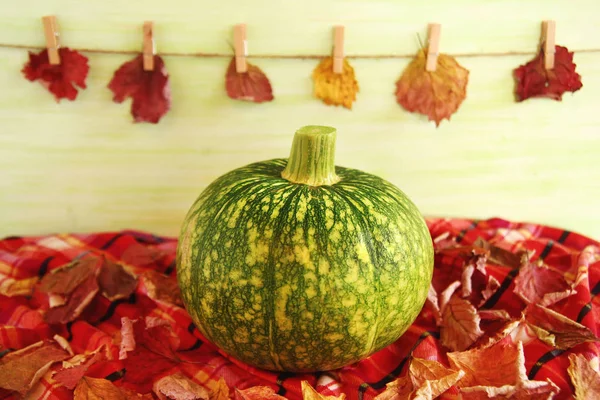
(425, 380)
(460, 324)
(221, 391)
(67, 278)
(103, 389)
(252, 85)
(161, 287)
(584, 377)
(76, 302)
(309, 393)
(21, 369)
(529, 390)
(437, 94)
(18, 287)
(115, 281)
(257, 393)
(335, 89)
(538, 284)
(73, 369)
(501, 256)
(179, 387)
(555, 329)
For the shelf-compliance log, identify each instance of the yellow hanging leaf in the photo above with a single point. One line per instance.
(335, 89)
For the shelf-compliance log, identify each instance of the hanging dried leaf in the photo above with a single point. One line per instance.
(556, 329)
(21, 369)
(538, 284)
(252, 85)
(335, 89)
(149, 90)
(61, 80)
(309, 393)
(425, 380)
(437, 94)
(179, 386)
(584, 377)
(534, 80)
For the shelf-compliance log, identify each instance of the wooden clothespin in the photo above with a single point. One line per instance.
(338, 49)
(548, 33)
(148, 48)
(52, 42)
(433, 47)
(240, 45)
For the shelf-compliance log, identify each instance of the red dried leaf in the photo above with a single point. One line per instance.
(20, 369)
(460, 324)
(309, 393)
(115, 282)
(437, 94)
(160, 287)
(179, 386)
(252, 85)
(149, 90)
(142, 256)
(585, 379)
(257, 393)
(556, 329)
(425, 379)
(60, 79)
(67, 278)
(74, 369)
(538, 284)
(77, 301)
(534, 80)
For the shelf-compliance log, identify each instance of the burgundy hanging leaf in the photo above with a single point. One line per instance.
(60, 79)
(252, 85)
(149, 90)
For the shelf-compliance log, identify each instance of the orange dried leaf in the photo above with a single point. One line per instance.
(335, 89)
(257, 393)
(460, 324)
(437, 94)
(252, 85)
(161, 287)
(178, 386)
(555, 329)
(97, 389)
(221, 391)
(309, 393)
(20, 369)
(425, 380)
(584, 377)
(538, 284)
(18, 287)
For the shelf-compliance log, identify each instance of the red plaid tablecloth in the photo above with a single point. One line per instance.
(22, 321)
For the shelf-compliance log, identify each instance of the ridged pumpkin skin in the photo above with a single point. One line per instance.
(293, 277)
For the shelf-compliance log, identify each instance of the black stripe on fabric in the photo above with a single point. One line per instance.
(380, 384)
(170, 268)
(563, 236)
(595, 290)
(588, 307)
(463, 232)
(111, 241)
(5, 352)
(280, 378)
(191, 327)
(549, 356)
(69, 325)
(44, 266)
(116, 375)
(113, 306)
(547, 249)
(195, 346)
(503, 287)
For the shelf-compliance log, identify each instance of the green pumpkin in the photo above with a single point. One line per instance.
(298, 265)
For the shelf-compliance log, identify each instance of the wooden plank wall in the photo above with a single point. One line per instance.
(84, 166)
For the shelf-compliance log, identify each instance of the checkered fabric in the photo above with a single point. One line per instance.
(22, 322)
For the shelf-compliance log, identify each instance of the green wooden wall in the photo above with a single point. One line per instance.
(84, 166)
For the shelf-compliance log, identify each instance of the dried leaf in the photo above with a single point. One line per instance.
(20, 369)
(75, 368)
(257, 393)
(18, 287)
(221, 391)
(67, 278)
(309, 393)
(335, 89)
(61, 80)
(494, 315)
(142, 256)
(425, 380)
(179, 387)
(116, 282)
(534, 80)
(149, 90)
(103, 389)
(538, 284)
(78, 300)
(491, 287)
(529, 390)
(460, 324)
(437, 94)
(252, 85)
(584, 377)
(501, 256)
(433, 303)
(556, 329)
(161, 287)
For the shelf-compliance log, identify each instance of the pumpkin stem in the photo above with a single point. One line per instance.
(312, 156)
